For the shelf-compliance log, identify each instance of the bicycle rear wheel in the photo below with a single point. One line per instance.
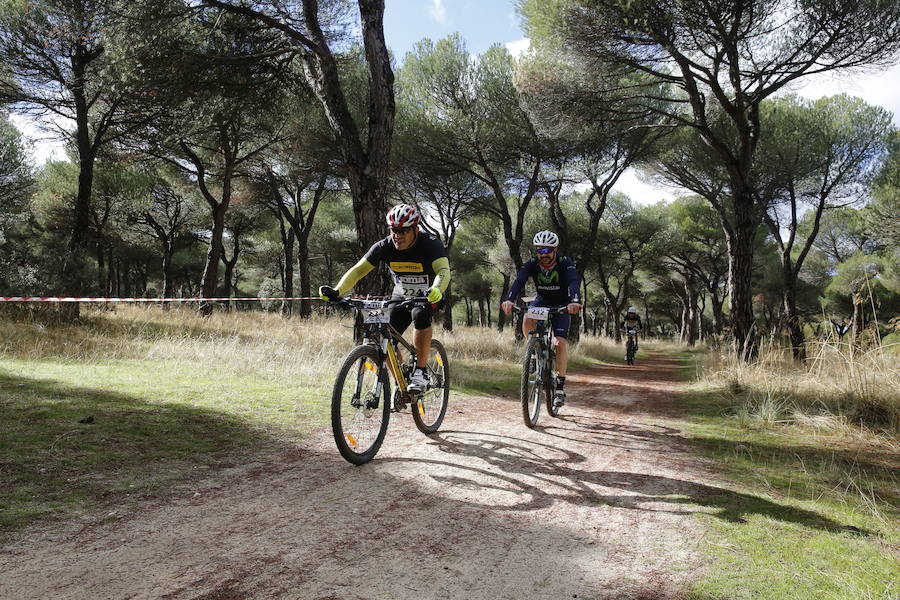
(430, 407)
(359, 405)
(532, 384)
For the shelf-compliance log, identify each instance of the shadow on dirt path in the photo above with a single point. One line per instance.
(595, 504)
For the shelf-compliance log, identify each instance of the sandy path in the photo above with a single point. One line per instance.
(596, 504)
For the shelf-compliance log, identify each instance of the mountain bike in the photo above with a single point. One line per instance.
(362, 402)
(539, 365)
(630, 346)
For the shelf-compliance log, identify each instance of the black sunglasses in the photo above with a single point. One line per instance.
(402, 230)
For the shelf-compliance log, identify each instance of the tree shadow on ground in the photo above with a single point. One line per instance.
(69, 447)
(615, 434)
(517, 459)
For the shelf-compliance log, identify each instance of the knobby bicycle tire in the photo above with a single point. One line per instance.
(430, 407)
(359, 430)
(532, 376)
(629, 352)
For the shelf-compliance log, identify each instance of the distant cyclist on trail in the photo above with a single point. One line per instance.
(419, 265)
(632, 320)
(556, 280)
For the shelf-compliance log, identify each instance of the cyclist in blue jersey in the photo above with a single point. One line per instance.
(556, 281)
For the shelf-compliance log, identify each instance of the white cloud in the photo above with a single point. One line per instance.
(645, 192)
(881, 88)
(43, 147)
(438, 11)
(640, 191)
(513, 19)
(518, 47)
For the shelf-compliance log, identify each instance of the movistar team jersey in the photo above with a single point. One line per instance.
(413, 268)
(556, 286)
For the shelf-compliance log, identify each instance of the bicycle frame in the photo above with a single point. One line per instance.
(539, 376)
(385, 337)
(363, 399)
(630, 344)
(543, 328)
(388, 353)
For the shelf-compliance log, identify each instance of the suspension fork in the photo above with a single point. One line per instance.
(546, 351)
(540, 360)
(394, 364)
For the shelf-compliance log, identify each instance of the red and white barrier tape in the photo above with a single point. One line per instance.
(76, 299)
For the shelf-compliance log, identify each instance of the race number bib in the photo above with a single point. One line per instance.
(374, 312)
(538, 313)
(411, 286)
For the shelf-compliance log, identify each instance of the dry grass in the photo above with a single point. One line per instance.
(838, 385)
(479, 344)
(264, 344)
(239, 342)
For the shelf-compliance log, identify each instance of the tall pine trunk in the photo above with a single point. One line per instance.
(448, 308)
(209, 280)
(792, 320)
(740, 282)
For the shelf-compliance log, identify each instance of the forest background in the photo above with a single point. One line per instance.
(249, 149)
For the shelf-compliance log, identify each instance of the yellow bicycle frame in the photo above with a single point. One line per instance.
(394, 366)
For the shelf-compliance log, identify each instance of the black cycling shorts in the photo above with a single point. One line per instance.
(560, 322)
(420, 315)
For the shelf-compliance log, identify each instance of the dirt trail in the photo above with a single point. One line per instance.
(595, 504)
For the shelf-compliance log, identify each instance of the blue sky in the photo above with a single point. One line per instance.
(480, 22)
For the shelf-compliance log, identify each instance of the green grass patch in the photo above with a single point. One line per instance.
(78, 434)
(816, 510)
(485, 377)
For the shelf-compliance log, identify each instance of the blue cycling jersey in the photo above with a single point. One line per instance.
(556, 286)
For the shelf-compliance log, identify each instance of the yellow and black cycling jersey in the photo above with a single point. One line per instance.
(632, 322)
(416, 269)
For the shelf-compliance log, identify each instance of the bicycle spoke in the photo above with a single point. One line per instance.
(359, 409)
(431, 406)
(532, 380)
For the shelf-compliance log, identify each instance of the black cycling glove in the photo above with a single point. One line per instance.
(326, 292)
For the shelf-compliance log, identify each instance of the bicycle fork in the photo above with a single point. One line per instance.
(388, 357)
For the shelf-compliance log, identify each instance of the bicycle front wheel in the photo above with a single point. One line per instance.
(532, 382)
(431, 406)
(550, 386)
(359, 405)
(629, 352)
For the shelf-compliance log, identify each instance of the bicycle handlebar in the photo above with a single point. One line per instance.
(553, 311)
(358, 303)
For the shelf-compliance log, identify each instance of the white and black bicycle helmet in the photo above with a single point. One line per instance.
(403, 215)
(632, 309)
(546, 238)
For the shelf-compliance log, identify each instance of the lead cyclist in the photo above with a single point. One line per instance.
(419, 266)
(556, 282)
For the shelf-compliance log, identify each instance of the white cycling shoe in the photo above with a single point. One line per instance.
(559, 398)
(418, 382)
